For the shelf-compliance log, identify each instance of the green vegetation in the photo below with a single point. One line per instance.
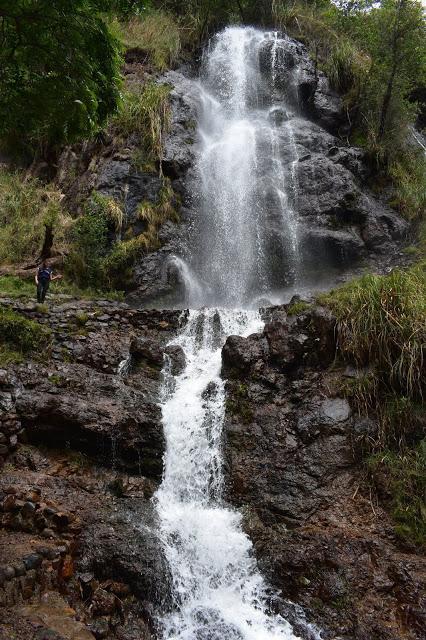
(20, 336)
(20, 288)
(59, 72)
(377, 58)
(145, 111)
(118, 265)
(99, 259)
(404, 477)
(157, 34)
(297, 307)
(382, 326)
(382, 329)
(89, 240)
(31, 218)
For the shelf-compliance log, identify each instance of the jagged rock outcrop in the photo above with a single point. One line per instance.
(80, 400)
(318, 534)
(342, 224)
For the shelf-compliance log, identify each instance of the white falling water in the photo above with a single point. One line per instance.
(217, 590)
(219, 593)
(246, 237)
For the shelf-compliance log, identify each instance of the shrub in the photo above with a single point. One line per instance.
(90, 240)
(20, 334)
(28, 209)
(145, 111)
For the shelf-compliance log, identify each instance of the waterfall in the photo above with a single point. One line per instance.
(246, 231)
(245, 240)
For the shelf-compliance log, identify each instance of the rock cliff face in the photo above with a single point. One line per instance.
(343, 225)
(290, 443)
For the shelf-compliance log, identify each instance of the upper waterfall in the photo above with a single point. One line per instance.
(244, 244)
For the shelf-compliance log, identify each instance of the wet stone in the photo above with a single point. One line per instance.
(33, 561)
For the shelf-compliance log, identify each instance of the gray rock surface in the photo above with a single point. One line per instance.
(290, 468)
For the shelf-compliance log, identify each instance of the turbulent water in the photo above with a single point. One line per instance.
(246, 232)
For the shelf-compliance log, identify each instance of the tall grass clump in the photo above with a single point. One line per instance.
(401, 480)
(145, 111)
(409, 180)
(156, 33)
(28, 210)
(381, 325)
(346, 67)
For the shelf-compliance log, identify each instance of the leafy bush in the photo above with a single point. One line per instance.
(90, 241)
(59, 72)
(27, 210)
(145, 111)
(381, 324)
(20, 334)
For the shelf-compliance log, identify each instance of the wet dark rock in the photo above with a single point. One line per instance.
(126, 548)
(177, 358)
(305, 340)
(148, 350)
(239, 354)
(290, 466)
(103, 603)
(32, 561)
(115, 431)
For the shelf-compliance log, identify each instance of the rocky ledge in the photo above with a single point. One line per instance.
(320, 537)
(81, 456)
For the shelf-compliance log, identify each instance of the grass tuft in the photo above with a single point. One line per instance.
(381, 325)
(145, 112)
(401, 478)
(27, 210)
(118, 264)
(157, 34)
(21, 335)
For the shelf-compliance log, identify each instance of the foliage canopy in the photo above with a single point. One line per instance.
(59, 71)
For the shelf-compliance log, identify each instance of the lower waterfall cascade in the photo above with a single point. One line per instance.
(217, 589)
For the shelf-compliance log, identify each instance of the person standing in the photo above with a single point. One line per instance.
(44, 276)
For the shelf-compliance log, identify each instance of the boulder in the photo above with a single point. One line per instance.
(124, 430)
(127, 549)
(177, 358)
(240, 354)
(147, 350)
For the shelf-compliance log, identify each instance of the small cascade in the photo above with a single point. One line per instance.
(217, 588)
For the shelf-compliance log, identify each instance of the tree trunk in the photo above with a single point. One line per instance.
(389, 88)
(386, 102)
(240, 9)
